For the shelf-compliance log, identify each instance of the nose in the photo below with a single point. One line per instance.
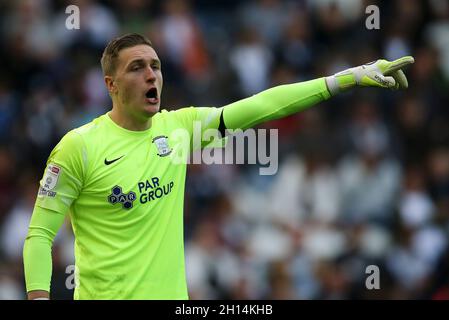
(150, 75)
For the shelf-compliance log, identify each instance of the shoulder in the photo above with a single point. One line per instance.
(90, 128)
(77, 138)
(175, 118)
(84, 134)
(191, 112)
(181, 112)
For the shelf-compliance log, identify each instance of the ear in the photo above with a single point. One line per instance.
(110, 84)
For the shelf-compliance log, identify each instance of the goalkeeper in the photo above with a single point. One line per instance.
(124, 195)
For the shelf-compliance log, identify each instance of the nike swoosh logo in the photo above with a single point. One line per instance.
(108, 162)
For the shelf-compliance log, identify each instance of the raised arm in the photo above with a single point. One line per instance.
(285, 100)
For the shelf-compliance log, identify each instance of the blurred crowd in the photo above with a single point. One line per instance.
(363, 178)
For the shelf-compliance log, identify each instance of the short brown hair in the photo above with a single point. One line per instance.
(111, 52)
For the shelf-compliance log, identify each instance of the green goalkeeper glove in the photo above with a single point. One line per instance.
(380, 73)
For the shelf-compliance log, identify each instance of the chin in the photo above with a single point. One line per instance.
(152, 109)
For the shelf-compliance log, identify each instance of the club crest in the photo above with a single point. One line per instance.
(162, 146)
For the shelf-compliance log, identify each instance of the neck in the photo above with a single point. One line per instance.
(128, 122)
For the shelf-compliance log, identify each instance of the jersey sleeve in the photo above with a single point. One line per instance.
(274, 103)
(64, 174)
(202, 124)
(271, 104)
(37, 261)
(60, 186)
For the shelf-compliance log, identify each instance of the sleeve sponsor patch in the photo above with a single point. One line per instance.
(49, 181)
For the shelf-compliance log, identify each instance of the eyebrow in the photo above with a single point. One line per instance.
(142, 61)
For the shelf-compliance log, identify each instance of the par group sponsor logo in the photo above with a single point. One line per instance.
(148, 191)
(125, 199)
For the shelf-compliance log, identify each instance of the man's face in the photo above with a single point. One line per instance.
(137, 83)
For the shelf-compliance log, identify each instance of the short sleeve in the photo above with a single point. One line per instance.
(63, 177)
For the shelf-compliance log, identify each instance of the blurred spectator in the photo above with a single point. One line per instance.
(8, 110)
(212, 270)
(306, 189)
(438, 163)
(98, 24)
(15, 228)
(7, 181)
(29, 26)
(182, 39)
(280, 281)
(9, 285)
(370, 177)
(265, 16)
(296, 44)
(416, 208)
(413, 128)
(437, 32)
(251, 60)
(135, 15)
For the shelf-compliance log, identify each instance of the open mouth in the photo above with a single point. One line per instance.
(151, 96)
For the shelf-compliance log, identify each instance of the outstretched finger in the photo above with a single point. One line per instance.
(400, 78)
(399, 64)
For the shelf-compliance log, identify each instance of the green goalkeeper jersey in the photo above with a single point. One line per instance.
(125, 194)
